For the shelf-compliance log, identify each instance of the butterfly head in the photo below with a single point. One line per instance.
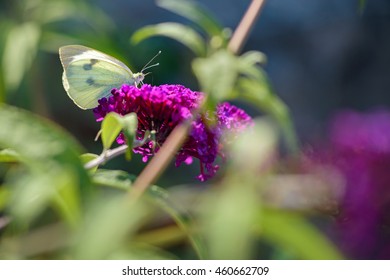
(138, 77)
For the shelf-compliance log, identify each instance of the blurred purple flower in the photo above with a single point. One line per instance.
(232, 119)
(161, 108)
(360, 150)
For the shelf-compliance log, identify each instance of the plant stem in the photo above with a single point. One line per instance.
(174, 141)
(242, 31)
(106, 156)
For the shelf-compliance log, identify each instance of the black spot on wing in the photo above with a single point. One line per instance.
(88, 66)
(90, 81)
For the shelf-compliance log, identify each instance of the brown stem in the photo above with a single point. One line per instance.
(244, 28)
(174, 141)
(161, 160)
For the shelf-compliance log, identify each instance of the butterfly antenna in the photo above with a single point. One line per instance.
(148, 74)
(156, 64)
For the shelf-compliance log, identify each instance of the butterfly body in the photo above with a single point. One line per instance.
(90, 75)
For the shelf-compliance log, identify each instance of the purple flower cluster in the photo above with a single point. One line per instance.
(360, 149)
(161, 108)
(361, 144)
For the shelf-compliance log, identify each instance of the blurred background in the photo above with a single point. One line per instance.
(323, 55)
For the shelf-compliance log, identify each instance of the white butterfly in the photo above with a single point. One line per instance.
(90, 75)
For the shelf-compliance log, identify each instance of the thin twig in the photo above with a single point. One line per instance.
(174, 141)
(106, 156)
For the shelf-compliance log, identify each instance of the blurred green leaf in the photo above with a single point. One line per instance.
(194, 12)
(179, 32)
(122, 180)
(229, 216)
(55, 174)
(51, 11)
(165, 236)
(9, 155)
(181, 217)
(113, 178)
(37, 139)
(108, 223)
(248, 66)
(249, 155)
(67, 199)
(4, 196)
(136, 251)
(31, 194)
(5, 26)
(21, 47)
(51, 40)
(41, 241)
(230, 212)
(253, 57)
(61, 10)
(217, 74)
(291, 232)
(258, 93)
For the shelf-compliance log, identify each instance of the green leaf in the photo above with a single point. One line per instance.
(113, 178)
(194, 12)
(181, 217)
(85, 158)
(129, 124)
(217, 74)
(293, 233)
(179, 32)
(111, 127)
(113, 124)
(21, 48)
(9, 155)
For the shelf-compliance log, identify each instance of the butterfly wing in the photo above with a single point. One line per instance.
(90, 75)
